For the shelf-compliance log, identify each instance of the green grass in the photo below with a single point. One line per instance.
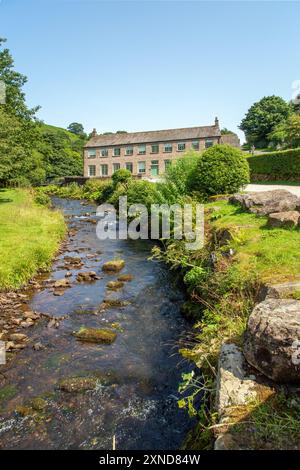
(29, 237)
(272, 254)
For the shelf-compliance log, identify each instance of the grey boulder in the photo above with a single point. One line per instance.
(266, 202)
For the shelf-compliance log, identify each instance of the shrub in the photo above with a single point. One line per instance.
(221, 169)
(121, 176)
(178, 175)
(279, 165)
(42, 199)
(138, 192)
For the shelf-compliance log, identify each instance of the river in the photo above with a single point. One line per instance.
(137, 402)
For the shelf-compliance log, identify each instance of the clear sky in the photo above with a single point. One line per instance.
(145, 65)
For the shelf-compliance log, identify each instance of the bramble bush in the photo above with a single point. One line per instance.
(221, 169)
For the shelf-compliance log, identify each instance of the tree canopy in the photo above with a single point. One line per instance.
(262, 118)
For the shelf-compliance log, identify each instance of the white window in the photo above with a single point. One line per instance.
(92, 153)
(141, 167)
(116, 167)
(167, 148)
(142, 149)
(104, 152)
(209, 143)
(181, 147)
(92, 170)
(129, 166)
(103, 170)
(129, 150)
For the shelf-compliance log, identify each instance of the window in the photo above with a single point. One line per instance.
(104, 152)
(142, 149)
(195, 144)
(117, 152)
(129, 166)
(129, 151)
(116, 166)
(141, 167)
(167, 164)
(103, 170)
(181, 147)
(92, 153)
(92, 170)
(209, 143)
(155, 148)
(168, 148)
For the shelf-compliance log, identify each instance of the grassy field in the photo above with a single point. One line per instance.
(29, 237)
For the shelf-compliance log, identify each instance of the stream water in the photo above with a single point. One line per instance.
(138, 404)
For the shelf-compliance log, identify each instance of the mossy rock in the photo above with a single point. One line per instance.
(112, 303)
(38, 404)
(25, 410)
(77, 384)
(7, 392)
(96, 335)
(115, 285)
(125, 277)
(113, 266)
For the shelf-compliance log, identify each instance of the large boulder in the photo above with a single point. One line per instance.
(266, 202)
(288, 219)
(272, 339)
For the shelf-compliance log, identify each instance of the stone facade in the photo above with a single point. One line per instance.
(145, 154)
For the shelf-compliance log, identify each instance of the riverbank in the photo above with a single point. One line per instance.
(30, 235)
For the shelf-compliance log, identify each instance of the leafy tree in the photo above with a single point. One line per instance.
(221, 169)
(226, 131)
(76, 128)
(262, 118)
(121, 176)
(14, 81)
(287, 134)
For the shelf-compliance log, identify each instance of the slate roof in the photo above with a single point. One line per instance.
(154, 136)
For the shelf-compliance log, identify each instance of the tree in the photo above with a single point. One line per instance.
(287, 134)
(262, 118)
(226, 131)
(76, 128)
(221, 169)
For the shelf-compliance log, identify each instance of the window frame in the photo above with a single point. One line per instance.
(138, 168)
(114, 152)
(113, 167)
(91, 157)
(143, 152)
(211, 141)
(197, 142)
(181, 149)
(153, 151)
(130, 147)
(89, 170)
(170, 146)
(104, 150)
(129, 163)
(101, 168)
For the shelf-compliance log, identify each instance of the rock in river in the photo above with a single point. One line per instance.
(96, 335)
(272, 339)
(77, 384)
(87, 276)
(113, 266)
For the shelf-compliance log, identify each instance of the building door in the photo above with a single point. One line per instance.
(154, 168)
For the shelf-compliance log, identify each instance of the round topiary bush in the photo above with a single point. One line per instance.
(221, 169)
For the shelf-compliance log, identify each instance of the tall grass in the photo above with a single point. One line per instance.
(29, 236)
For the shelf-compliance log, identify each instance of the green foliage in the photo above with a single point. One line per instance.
(287, 134)
(262, 118)
(76, 128)
(222, 169)
(281, 165)
(226, 131)
(178, 175)
(42, 199)
(121, 176)
(138, 192)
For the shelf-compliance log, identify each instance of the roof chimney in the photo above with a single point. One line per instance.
(94, 133)
(216, 122)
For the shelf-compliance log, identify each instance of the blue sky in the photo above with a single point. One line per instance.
(143, 65)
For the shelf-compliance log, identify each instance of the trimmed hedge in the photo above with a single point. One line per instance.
(281, 165)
